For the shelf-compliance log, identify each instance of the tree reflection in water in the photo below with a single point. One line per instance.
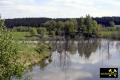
(85, 48)
(65, 49)
(70, 59)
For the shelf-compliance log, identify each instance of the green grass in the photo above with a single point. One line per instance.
(27, 51)
(110, 34)
(20, 35)
(28, 55)
(106, 33)
(24, 36)
(27, 47)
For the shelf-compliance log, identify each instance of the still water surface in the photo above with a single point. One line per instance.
(77, 60)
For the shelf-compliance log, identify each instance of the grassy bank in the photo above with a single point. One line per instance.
(110, 34)
(27, 51)
(20, 35)
(28, 55)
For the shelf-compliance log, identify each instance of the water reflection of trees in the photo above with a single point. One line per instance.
(64, 57)
(65, 49)
(118, 46)
(61, 46)
(85, 48)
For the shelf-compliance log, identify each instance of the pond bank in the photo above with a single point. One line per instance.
(28, 55)
(29, 59)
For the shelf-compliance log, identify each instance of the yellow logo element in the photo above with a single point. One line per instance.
(113, 72)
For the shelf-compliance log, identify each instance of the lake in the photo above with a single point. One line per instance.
(77, 60)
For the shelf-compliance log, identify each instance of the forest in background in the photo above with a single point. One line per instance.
(76, 28)
(37, 22)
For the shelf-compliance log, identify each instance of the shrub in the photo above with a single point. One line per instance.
(33, 32)
(8, 52)
(41, 47)
(42, 31)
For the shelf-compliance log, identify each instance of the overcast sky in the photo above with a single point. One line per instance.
(58, 8)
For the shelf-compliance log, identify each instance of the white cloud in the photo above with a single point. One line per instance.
(58, 8)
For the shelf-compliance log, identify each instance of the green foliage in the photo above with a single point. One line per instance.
(89, 27)
(60, 27)
(81, 25)
(22, 29)
(96, 29)
(41, 47)
(52, 33)
(42, 31)
(75, 24)
(8, 52)
(70, 26)
(88, 24)
(86, 27)
(50, 25)
(33, 32)
(19, 35)
(111, 32)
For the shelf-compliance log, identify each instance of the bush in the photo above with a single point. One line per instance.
(8, 52)
(42, 47)
(33, 32)
(52, 33)
(42, 31)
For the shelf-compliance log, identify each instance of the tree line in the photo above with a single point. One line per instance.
(37, 22)
(86, 27)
